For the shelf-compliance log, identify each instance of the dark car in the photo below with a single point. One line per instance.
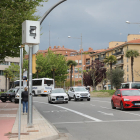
(9, 95)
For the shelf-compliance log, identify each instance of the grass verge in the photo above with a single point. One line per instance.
(102, 93)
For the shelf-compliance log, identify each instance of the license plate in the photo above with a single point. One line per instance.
(59, 98)
(137, 103)
(2, 97)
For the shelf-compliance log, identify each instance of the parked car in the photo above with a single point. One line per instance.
(17, 95)
(126, 98)
(57, 95)
(78, 93)
(9, 95)
(130, 85)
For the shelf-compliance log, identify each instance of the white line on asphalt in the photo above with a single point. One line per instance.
(7, 115)
(97, 121)
(101, 101)
(92, 105)
(79, 113)
(55, 111)
(105, 107)
(111, 114)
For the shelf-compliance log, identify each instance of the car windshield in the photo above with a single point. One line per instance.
(130, 93)
(58, 91)
(80, 89)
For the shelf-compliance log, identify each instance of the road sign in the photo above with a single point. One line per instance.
(35, 49)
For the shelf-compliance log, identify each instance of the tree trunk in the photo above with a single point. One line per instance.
(71, 77)
(132, 60)
(6, 82)
(111, 76)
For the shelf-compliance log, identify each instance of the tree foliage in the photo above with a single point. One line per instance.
(95, 75)
(71, 64)
(51, 63)
(132, 54)
(117, 77)
(12, 14)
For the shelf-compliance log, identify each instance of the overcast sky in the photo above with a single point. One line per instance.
(99, 22)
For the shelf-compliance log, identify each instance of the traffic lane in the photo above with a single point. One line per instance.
(102, 110)
(99, 113)
(56, 113)
(102, 130)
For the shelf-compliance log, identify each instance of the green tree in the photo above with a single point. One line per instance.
(117, 77)
(52, 66)
(12, 14)
(71, 64)
(132, 54)
(12, 72)
(110, 60)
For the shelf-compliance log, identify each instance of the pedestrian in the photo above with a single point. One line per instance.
(25, 100)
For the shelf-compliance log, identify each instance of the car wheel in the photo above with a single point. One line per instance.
(12, 99)
(81, 99)
(69, 98)
(122, 108)
(88, 99)
(75, 98)
(34, 93)
(3, 100)
(67, 102)
(112, 105)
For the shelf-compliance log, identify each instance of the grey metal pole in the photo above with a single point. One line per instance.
(47, 12)
(30, 102)
(19, 116)
(82, 62)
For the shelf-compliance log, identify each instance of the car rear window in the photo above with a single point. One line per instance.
(136, 85)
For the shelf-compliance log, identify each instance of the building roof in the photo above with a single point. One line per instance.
(137, 41)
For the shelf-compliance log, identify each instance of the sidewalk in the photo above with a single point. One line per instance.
(41, 129)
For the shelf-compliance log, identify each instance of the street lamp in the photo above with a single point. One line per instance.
(81, 55)
(128, 22)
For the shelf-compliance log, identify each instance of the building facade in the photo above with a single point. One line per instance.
(119, 50)
(3, 66)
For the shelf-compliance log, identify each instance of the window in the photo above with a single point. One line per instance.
(4, 63)
(80, 76)
(127, 59)
(76, 61)
(68, 77)
(136, 85)
(127, 68)
(76, 76)
(76, 70)
(127, 77)
(125, 86)
(80, 62)
(1, 72)
(37, 82)
(48, 82)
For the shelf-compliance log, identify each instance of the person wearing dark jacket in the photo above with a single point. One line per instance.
(25, 100)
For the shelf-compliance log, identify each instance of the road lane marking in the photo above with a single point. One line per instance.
(76, 112)
(92, 105)
(111, 114)
(105, 107)
(101, 101)
(112, 121)
(7, 115)
(55, 111)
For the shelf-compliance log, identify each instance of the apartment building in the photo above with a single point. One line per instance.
(83, 60)
(3, 65)
(119, 49)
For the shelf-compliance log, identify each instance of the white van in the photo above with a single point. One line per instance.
(130, 85)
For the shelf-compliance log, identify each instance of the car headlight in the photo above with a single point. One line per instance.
(126, 99)
(66, 96)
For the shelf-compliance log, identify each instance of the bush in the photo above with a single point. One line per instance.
(111, 92)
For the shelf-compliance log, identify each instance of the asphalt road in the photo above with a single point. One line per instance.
(91, 120)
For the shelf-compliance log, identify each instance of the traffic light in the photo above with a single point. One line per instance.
(33, 63)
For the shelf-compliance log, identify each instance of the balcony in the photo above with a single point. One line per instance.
(102, 58)
(118, 53)
(96, 58)
(119, 62)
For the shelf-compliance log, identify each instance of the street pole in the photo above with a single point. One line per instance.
(30, 101)
(82, 62)
(19, 119)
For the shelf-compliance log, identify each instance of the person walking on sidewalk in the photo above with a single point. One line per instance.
(25, 100)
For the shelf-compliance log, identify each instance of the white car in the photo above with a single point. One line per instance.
(17, 95)
(78, 93)
(57, 95)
